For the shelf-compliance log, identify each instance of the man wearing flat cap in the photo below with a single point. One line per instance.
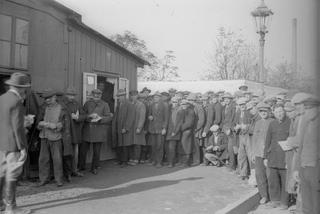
(259, 138)
(13, 147)
(77, 117)
(55, 138)
(98, 115)
(307, 164)
(158, 121)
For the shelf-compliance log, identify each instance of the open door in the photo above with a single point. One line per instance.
(89, 83)
(124, 84)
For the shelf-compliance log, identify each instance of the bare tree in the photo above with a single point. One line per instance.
(160, 69)
(233, 58)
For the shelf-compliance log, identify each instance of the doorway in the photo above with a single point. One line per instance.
(3, 87)
(107, 86)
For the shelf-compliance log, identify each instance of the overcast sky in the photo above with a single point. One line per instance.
(189, 27)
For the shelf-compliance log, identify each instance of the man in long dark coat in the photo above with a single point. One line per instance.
(77, 117)
(95, 129)
(13, 147)
(187, 129)
(158, 122)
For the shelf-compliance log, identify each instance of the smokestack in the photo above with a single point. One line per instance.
(294, 59)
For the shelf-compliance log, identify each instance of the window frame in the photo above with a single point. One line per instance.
(13, 43)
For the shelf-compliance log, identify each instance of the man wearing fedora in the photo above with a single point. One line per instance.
(13, 146)
(54, 129)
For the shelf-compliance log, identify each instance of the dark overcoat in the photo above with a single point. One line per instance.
(12, 131)
(187, 128)
(139, 114)
(96, 131)
(201, 120)
(118, 123)
(159, 112)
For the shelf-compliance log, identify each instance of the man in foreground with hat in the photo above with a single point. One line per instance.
(54, 129)
(307, 164)
(77, 117)
(95, 129)
(13, 147)
(259, 138)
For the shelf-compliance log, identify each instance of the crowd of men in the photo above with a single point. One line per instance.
(271, 142)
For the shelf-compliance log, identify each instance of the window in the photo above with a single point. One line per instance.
(14, 40)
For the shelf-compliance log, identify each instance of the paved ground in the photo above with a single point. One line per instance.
(262, 209)
(140, 189)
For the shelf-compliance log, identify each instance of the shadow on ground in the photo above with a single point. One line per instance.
(109, 175)
(130, 189)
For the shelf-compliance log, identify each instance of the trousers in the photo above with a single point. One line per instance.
(50, 150)
(243, 155)
(310, 189)
(157, 144)
(231, 153)
(96, 147)
(261, 177)
(277, 185)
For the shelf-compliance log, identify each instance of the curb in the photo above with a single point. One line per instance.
(242, 206)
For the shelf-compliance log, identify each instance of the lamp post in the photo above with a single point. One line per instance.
(262, 17)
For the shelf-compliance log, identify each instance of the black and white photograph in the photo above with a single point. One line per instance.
(159, 107)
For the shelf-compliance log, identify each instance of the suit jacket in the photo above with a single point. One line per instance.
(118, 123)
(12, 131)
(218, 110)
(187, 128)
(210, 115)
(244, 120)
(160, 117)
(174, 125)
(228, 116)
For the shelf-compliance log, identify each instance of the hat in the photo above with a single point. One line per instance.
(307, 99)
(19, 80)
(204, 97)
(227, 95)
(184, 102)
(241, 101)
(269, 99)
(247, 92)
(238, 94)
(172, 90)
(220, 92)
(175, 99)
(288, 106)
(243, 87)
(96, 91)
(71, 91)
(250, 105)
(48, 93)
(192, 97)
(133, 93)
(145, 89)
(157, 93)
(280, 97)
(214, 128)
(263, 106)
(165, 94)
(121, 92)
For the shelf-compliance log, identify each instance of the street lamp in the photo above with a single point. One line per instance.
(262, 17)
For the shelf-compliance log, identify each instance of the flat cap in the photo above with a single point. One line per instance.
(288, 106)
(227, 95)
(145, 89)
(192, 97)
(164, 93)
(71, 91)
(243, 87)
(250, 105)
(157, 93)
(263, 106)
(172, 90)
(133, 93)
(48, 93)
(241, 101)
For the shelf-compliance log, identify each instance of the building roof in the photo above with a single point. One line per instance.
(75, 18)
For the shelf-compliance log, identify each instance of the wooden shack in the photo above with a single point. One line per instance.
(49, 41)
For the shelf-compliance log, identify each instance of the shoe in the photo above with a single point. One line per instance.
(159, 165)
(142, 161)
(263, 200)
(68, 178)
(170, 166)
(131, 163)
(283, 207)
(77, 174)
(42, 183)
(272, 204)
(59, 184)
(94, 171)
(17, 210)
